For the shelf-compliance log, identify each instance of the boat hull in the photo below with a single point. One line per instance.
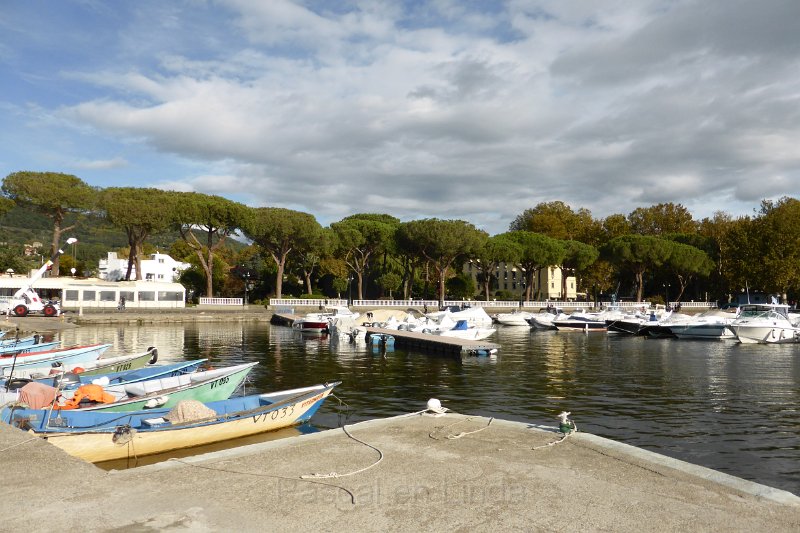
(579, 325)
(766, 334)
(704, 331)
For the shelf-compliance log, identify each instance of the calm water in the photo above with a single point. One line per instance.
(723, 405)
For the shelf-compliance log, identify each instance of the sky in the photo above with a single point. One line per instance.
(454, 109)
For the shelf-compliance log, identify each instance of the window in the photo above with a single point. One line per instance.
(71, 295)
(108, 296)
(147, 296)
(128, 295)
(161, 260)
(170, 296)
(89, 296)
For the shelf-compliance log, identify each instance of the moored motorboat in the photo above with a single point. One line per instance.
(765, 324)
(515, 318)
(320, 322)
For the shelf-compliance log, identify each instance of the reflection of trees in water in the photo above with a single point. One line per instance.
(168, 339)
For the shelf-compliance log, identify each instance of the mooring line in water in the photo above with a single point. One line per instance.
(256, 474)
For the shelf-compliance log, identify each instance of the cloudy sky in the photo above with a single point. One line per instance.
(447, 108)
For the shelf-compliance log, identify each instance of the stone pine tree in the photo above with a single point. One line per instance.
(442, 243)
(497, 249)
(359, 238)
(54, 195)
(279, 232)
(210, 218)
(638, 254)
(140, 213)
(537, 252)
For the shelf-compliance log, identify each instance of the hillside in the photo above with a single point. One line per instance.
(96, 237)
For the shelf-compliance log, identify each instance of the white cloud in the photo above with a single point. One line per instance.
(453, 109)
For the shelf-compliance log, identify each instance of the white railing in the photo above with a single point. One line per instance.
(220, 301)
(434, 304)
(306, 302)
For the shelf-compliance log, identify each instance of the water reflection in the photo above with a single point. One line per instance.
(719, 404)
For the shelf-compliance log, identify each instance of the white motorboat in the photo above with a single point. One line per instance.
(320, 322)
(713, 324)
(765, 324)
(515, 318)
(544, 318)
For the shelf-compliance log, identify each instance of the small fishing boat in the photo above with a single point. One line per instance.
(209, 386)
(27, 346)
(71, 380)
(38, 363)
(98, 436)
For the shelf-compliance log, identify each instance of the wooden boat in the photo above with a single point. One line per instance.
(26, 365)
(27, 347)
(70, 380)
(208, 386)
(122, 363)
(97, 437)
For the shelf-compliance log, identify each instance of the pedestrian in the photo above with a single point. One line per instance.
(121, 305)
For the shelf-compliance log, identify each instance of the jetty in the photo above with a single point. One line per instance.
(416, 472)
(436, 344)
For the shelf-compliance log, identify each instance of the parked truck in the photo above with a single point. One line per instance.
(26, 301)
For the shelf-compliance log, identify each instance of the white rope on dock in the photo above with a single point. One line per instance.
(337, 475)
(256, 474)
(18, 444)
(463, 433)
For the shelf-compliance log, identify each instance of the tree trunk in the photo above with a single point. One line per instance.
(54, 270)
(442, 276)
(639, 287)
(360, 285)
(279, 278)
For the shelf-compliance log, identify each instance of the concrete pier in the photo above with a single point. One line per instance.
(411, 473)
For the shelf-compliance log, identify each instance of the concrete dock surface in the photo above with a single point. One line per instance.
(410, 473)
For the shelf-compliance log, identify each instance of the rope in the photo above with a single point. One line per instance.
(463, 433)
(18, 444)
(337, 475)
(301, 479)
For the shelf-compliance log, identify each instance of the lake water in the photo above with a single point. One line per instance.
(719, 404)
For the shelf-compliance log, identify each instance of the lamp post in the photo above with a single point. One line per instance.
(73, 271)
(246, 285)
(522, 286)
(349, 290)
(666, 295)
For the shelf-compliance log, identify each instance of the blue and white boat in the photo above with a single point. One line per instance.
(98, 436)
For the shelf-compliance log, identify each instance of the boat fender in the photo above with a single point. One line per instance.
(156, 402)
(426, 330)
(154, 355)
(13, 384)
(367, 324)
(36, 338)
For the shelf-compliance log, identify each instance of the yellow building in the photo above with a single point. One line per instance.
(546, 283)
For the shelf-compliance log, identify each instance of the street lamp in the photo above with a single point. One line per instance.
(349, 290)
(73, 271)
(246, 285)
(666, 294)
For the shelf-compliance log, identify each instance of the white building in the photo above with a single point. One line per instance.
(160, 267)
